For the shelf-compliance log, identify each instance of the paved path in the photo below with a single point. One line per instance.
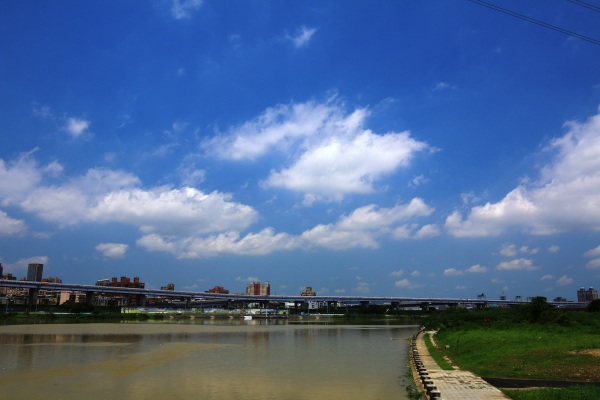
(455, 384)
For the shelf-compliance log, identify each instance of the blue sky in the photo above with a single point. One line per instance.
(430, 148)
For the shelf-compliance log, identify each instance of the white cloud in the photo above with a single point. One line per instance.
(166, 211)
(24, 262)
(18, 178)
(452, 272)
(364, 225)
(477, 269)
(564, 281)
(593, 264)
(508, 250)
(397, 274)
(43, 112)
(112, 250)
(183, 9)
(547, 278)
(263, 242)
(331, 153)
(189, 223)
(554, 249)
(406, 284)
(443, 86)
(418, 180)
(593, 252)
(10, 226)
(302, 37)
(362, 288)
(474, 269)
(76, 126)
(360, 229)
(517, 264)
(563, 199)
(346, 166)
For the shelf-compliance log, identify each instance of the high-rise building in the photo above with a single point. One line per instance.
(586, 296)
(34, 272)
(218, 289)
(308, 292)
(258, 289)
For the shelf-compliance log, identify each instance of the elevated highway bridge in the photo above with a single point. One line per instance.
(190, 297)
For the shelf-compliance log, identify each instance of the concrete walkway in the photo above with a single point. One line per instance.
(449, 385)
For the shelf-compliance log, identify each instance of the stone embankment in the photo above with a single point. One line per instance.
(443, 384)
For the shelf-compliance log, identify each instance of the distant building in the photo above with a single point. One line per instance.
(123, 300)
(308, 292)
(586, 296)
(124, 282)
(52, 279)
(218, 289)
(170, 286)
(34, 272)
(560, 300)
(258, 289)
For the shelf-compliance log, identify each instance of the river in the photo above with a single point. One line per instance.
(204, 360)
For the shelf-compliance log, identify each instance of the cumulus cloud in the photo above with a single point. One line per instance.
(183, 9)
(186, 221)
(104, 195)
(477, 269)
(263, 242)
(554, 249)
(360, 229)
(564, 281)
(474, 269)
(452, 272)
(517, 264)
(10, 226)
(593, 252)
(508, 250)
(397, 274)
(547, 278)
(406, 284)
(563, 199)
(331, 153)
(24, 262)
(76, 126)
(302, 37)
(112, 250)
(595, 262)
(18, 178)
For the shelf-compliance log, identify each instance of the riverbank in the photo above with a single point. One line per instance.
(528, 344)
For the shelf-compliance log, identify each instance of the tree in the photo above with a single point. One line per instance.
(594, 306)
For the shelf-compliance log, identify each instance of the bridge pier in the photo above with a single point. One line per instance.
(89, 298)
(33, 295)
(140, 300)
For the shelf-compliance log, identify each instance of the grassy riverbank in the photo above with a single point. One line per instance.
(533, 341)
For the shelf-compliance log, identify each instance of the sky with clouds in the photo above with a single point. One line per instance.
(399, 148)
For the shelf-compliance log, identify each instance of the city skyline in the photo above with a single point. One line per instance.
(395, 148)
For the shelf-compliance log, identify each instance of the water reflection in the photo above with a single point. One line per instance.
(231, 361)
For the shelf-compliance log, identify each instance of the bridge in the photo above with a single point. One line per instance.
(189, 296)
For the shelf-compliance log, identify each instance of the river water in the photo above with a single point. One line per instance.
(198, 360)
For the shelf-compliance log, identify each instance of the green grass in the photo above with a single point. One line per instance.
(436, 355)
(571, 393)
(527, 351)
(532, 341)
